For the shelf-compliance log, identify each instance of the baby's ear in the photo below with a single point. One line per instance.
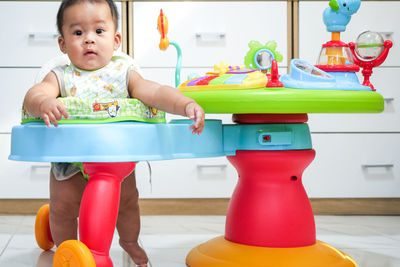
(334, 5)
(61, 44)
(117, 40)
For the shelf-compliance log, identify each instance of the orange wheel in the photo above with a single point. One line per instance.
(73, 253)
(42, 228)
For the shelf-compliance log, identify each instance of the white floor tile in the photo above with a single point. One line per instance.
(376, 257)
(20, 257)
(23, 241)
(363, 242)
(168, 257)
(163, 241)
(4, 240)
(373, 241)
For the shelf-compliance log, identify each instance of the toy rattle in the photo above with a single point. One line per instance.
(369, 52)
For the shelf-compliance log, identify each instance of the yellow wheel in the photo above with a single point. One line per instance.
(42, 228)
(73, 253)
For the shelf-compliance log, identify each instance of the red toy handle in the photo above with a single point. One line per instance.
(99, 207)
(273, 80)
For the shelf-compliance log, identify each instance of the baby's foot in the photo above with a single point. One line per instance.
(137, 254)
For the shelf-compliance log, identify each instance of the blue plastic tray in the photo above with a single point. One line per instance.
(136, 141)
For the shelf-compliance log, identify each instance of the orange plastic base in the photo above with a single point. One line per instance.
(219, 252)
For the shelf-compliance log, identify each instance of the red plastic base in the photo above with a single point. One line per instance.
(269, 207)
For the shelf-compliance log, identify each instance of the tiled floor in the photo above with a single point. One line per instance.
(371, 241)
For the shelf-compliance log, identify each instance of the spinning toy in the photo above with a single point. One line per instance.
(370, 51)
(260, 56)
(269, 221)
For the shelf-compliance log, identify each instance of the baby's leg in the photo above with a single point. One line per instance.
(128, 223)
(65, 199)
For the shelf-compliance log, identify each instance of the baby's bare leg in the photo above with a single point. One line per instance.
(128, 223)
(65, 199)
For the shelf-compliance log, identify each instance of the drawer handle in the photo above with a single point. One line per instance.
(365, 166)
(221, 166)
(37, 167)
(388, 99)
(42, 36)
(210, 36)
(387, 35)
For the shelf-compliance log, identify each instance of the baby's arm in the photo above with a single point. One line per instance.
(41, 101)
(167, 99)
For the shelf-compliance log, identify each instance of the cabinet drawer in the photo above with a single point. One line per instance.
(385, 81)
(187, 178)
(379, 16)
(354, 165)
(31, 32)
(208, 32)
(21, 179)
(15, 82)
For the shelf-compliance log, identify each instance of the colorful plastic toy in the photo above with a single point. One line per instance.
(338, 61)
(260, 56)
(269, 220)
(226, 77)
(369, 52)
(162, 26)
(338, 14)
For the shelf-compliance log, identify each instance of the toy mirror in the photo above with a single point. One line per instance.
(263, 59)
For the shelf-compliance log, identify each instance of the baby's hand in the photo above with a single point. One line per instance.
(195, 113)
(52, 110)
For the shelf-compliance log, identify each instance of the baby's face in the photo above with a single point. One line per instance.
(89, 36)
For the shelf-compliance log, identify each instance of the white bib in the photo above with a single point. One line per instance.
(111, 81)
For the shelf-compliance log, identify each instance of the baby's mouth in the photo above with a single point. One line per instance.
(90, 52)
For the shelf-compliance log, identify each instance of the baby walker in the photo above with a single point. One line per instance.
(269, 222)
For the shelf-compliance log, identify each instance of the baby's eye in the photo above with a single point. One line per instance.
(78, 33)
(99, 31)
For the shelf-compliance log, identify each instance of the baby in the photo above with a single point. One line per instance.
(88, 35)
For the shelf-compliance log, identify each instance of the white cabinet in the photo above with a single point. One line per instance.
(380, 16)
(29, 33)
(357, 155)
(28, 40)
(208, 32)
(21, 179)
(186, 178)
(15, 82)
(385, 81)
(354, 165)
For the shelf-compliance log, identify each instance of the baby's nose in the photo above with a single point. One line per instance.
(89, 39)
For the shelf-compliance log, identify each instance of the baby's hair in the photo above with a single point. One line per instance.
(67, 3)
